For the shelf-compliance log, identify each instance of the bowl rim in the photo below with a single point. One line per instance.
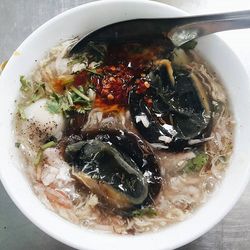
(59, 237)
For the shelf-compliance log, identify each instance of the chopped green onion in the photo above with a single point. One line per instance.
(79, 93)
(38, 158)
(69, 98)
(17, 144)
(48, 145)
(39, 155)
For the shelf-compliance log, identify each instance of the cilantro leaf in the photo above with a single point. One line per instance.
(53, 106)
(196, 164)
(33, 90)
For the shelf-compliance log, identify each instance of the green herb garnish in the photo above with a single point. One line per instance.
(92, 52)
(38, 158)
(80, 93)
(70, 100)
(39, 155)
(78, 58)
(73, 99)
(189, 45)
(96, 50)
(17, 144)
(196, 164)
(48, 145)
(25, 84)
(148, 211)
(20, 112)
(57, 103)
(38, 91)
(93, 71)
(53, 106)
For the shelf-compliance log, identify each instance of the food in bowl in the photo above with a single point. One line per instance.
(126, 137)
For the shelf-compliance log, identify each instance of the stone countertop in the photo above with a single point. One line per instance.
(18, 18)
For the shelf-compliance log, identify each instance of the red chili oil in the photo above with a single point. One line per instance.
(126, 67)
(115, 84)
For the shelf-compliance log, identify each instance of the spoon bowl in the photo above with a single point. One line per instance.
(179, 30)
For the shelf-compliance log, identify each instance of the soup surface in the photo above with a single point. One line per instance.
(126, 138)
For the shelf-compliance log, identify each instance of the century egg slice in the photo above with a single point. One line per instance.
(180, 107)
(117, 166)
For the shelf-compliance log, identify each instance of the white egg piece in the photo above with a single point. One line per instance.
(41, 123)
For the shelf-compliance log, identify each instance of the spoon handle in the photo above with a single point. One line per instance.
(188, 28)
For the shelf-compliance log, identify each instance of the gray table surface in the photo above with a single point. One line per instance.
(18, 18)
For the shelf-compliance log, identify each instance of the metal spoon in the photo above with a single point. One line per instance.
(179, 30)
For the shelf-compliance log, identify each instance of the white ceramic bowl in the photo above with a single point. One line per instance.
(81, 20)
